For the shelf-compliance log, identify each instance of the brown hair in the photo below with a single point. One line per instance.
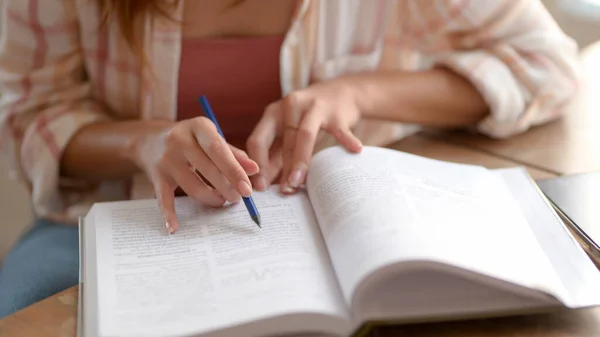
(128, 14)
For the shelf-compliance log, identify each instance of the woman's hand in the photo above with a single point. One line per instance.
(170, 153)
(283, 141)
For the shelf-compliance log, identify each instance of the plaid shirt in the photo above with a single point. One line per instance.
(59, 72)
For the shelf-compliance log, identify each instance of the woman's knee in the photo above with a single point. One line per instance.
(45, 261)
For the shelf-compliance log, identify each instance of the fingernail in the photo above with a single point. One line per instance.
(170, 229)
(245, 188)
(261, 183)
(295, 178)
(255, 171)
(288, 189)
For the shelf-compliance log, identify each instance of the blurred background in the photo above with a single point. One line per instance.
(578, 18)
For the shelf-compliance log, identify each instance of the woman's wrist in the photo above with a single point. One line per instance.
(144, 132)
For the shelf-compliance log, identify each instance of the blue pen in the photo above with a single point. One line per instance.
(250, 206)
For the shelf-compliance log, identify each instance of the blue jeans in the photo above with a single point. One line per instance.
(43, 262)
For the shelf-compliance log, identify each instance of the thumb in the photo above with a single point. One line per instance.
(166, 203)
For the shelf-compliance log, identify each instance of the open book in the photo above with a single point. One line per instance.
(381, 236)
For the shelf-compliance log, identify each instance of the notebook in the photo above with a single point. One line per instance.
(376, 238)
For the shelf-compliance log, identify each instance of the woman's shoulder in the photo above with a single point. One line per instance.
(50, 18)
(43, 13)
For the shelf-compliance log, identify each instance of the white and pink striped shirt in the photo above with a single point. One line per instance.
(60, 72)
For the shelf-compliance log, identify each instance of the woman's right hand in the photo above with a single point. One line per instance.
(169, 152)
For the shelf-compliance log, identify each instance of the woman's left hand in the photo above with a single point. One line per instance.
(283, 141)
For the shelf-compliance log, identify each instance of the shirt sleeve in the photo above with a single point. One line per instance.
(512, 51)
(45, 97)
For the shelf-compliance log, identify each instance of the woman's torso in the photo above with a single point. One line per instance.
(312, 49)
(232, 58)
(239, 76)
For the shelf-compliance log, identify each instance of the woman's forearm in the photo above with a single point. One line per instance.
(437, 98)
(105, 150)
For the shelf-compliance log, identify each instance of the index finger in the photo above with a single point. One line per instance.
(166, 203)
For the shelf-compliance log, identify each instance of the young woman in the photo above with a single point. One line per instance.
(99, 97)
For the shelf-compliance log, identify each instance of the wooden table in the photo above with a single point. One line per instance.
(567, 146)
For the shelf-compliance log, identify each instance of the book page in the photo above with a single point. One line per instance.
(219, 269)
(383, 206)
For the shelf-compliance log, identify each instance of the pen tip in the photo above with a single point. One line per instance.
(256, 219)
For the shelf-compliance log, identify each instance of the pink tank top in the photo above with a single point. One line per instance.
(239, 76)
